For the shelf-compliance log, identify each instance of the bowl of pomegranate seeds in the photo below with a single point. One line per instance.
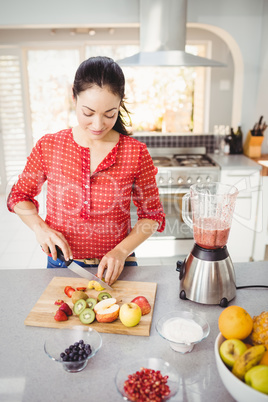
(72, 348)
(147, 380)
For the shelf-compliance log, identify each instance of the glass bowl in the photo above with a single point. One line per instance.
(148, 363)
(239, 390)
(60, 340)
(183, 330)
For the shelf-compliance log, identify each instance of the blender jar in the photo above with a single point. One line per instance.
(212, 207)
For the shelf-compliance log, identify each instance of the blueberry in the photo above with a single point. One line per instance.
(62, 355)
(81, 342)
(67, 351)
(65, 358)
(76, 343)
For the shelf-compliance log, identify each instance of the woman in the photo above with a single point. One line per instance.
(92, 171)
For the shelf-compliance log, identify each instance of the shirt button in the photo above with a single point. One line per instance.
(85, 202)
(86, 186)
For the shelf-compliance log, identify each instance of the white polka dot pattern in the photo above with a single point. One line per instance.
(91, 210)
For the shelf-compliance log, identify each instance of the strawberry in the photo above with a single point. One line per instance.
(66, 308)
(81, 288)
(69, 291)
(59, 302)
(60, 316)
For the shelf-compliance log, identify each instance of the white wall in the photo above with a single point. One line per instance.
(261, 106)
(33, 13)
(246, 21)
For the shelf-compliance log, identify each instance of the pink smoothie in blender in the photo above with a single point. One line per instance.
(212, 207)
(211, 233)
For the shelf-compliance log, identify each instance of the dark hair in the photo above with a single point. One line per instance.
(103, 71)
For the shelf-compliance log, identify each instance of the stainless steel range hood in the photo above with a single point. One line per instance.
(163, 36)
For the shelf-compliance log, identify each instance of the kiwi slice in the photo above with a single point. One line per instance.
(104, 296)
(91, 302)
(79, 306)
(87, 316)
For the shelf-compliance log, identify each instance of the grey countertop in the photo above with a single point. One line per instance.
(230, 162)
(27, 374)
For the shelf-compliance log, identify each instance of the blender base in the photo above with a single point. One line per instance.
(207, 276)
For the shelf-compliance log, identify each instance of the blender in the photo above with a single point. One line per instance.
(207, 273)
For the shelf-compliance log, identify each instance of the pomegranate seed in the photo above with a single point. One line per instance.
(146, 385)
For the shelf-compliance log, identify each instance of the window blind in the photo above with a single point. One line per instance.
(12, 125)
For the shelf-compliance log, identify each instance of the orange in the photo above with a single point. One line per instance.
(264, 359)
(235, 323)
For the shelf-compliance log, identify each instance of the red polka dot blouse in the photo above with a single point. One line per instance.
(91, 210)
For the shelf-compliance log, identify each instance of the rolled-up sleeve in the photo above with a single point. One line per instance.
(145, 191)
(30, 181)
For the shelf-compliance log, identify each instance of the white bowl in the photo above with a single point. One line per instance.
(61, 339)
(191, 340)
(239, 390)
(148, 363)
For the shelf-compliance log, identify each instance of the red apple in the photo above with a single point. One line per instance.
(107, 310)
(143, 303)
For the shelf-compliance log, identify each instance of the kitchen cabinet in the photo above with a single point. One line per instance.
(261, 234)
(245, 219)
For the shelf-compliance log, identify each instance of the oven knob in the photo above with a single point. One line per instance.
(189, 180)
(180, 180)
(208, 179)
(171, 180)
(161, 180)
(199, 179)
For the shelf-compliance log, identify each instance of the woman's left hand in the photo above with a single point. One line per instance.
(113, 262)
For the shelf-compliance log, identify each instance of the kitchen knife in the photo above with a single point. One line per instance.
(78, 270)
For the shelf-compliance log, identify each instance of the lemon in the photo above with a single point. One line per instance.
(94, 285)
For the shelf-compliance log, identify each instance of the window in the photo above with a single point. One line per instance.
(50, 77)
(12, 123)
(169, 102)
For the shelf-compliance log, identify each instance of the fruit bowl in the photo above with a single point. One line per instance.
(72, 342)
(239, 390)
(150, 363)
(183, 330)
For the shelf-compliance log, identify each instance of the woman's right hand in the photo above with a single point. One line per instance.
(49, 238)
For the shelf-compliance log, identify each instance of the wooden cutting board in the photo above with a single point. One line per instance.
(42, 314)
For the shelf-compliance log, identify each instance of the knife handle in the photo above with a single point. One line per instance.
(61, 256)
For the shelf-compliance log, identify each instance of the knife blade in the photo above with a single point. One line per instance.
(78, 270)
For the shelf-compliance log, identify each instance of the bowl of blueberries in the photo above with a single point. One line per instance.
(73, 348)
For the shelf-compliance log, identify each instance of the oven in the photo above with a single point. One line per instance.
(178, 169)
